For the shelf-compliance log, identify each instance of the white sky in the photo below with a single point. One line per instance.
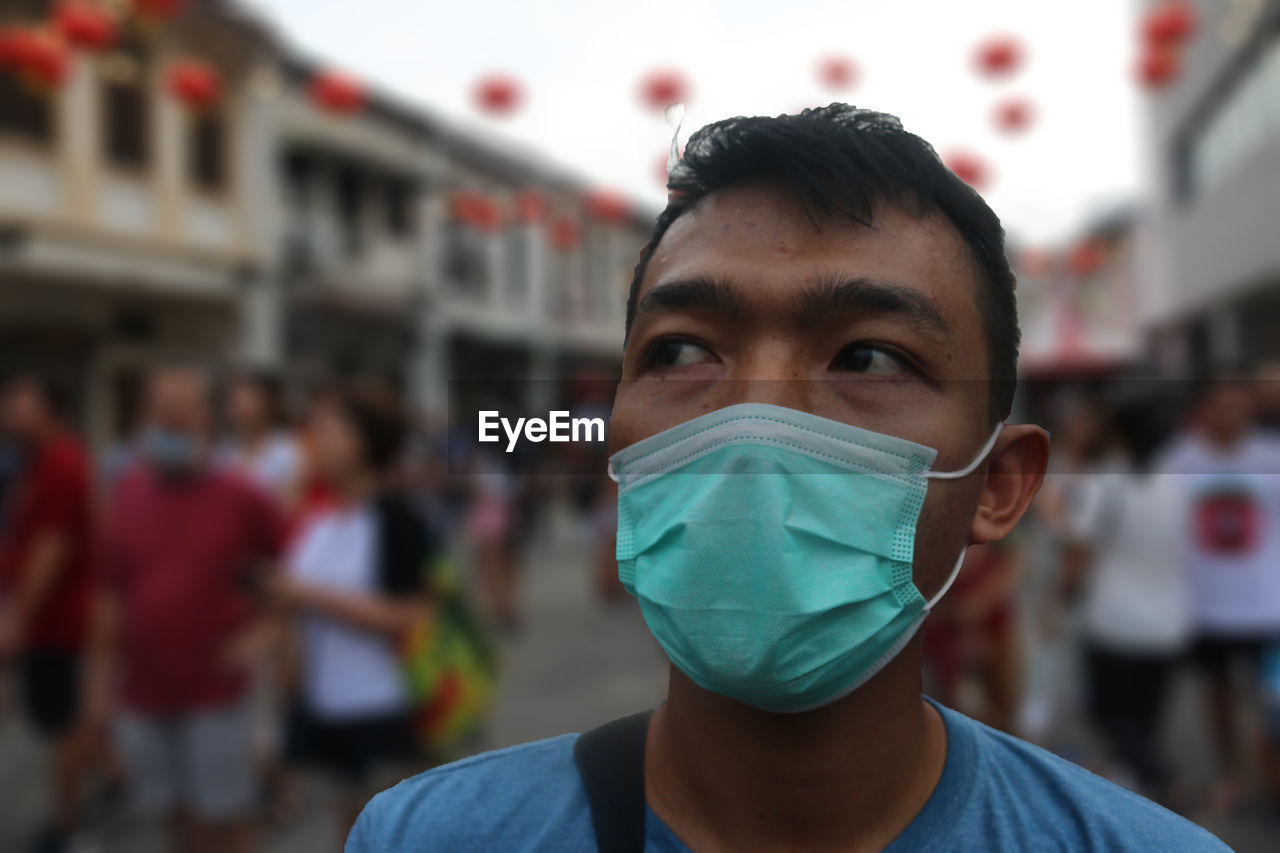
(580, 62)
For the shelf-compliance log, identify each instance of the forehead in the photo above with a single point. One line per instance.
(768, 241)
(177, 388)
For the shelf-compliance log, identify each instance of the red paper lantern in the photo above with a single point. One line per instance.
(1170, 22)
(837, 72)
(12, 48)
(337, 93)
(84, 25)
(498, 94)
(476, 211)
(564, 233)
(968, 167)
(1014, 115)
(661, 89)
(1158, 65)
(1085, 259)
(530, 207)
(196, 84)
(158, 10)
(38, 57)
(607, 206)
(998, 56)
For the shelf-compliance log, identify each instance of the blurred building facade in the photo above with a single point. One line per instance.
(1209, 260)
(270, 229)
(129, 226)
(1078, 308)
(352, 242)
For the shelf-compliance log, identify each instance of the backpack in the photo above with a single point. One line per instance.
(610, 760)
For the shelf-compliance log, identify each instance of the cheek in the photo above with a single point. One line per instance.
(249, 408)
(942, 532)
(627, 422)
(334, 447)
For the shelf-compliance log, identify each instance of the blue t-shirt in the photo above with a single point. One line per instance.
(996, 793)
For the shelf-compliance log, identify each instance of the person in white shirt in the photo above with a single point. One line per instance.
(259, 450)
(259, 447)
(355, 582)
(1124, 561)
(1231, 535)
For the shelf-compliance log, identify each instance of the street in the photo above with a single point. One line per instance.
(574, 665)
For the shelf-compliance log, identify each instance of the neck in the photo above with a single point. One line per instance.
(179, 476)
(1223, 440)
(356, 489)
(252, 437)
(849, 776)
(42, 436)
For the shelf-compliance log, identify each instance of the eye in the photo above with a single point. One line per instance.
(870, 360)
(676, 352)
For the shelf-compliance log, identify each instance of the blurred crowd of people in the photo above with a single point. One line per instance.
(222, 597)
(1153, 554)
(218, 601)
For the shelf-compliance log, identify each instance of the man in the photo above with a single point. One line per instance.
(1231, 472)
(258, 447)
(820, 352)
(45, 555)
(178, 629)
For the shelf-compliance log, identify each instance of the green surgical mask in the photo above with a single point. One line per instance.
(771, 550)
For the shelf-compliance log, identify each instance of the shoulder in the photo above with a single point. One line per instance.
(284, 448)
(1181, 452)
(235, 485)
(403, 542)
(68, 456)
(1267, 446)
(527, 797)
(1027, 792)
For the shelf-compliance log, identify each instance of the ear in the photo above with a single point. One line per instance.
(1014, 474)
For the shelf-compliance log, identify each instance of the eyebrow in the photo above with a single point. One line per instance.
(708, 294)
(818, 303)
(832, 297)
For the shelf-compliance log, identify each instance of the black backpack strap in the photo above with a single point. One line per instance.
(610, 760)
(403, 547)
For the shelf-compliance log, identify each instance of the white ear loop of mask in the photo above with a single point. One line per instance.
(956, 475)
(972, 466)
(955, 573)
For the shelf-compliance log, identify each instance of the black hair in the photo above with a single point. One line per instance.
(1136, 425)
(269, 386)
(1213, 378)
(847, 161)
(380, 425)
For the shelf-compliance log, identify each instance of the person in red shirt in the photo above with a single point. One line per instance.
(180, 631)
(45, 577)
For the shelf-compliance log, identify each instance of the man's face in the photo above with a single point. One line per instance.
(22, 411)
(748, 299)
(178, 403)
(246, 406)
(1227, 409)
